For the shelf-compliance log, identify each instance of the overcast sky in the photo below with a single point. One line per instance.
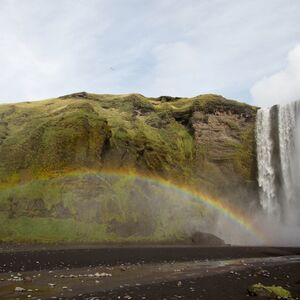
(243, 50)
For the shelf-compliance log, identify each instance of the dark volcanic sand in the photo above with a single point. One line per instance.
(26, 260)
(196, 284)
(223, 286)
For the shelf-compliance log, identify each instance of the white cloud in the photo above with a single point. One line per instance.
(281, 87)
(176, 71)
(50, 48)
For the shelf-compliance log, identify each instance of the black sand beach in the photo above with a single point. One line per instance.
(223, 286)
(145, 272)
(25, 258)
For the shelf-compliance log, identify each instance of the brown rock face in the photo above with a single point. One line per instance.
(226, 148)
(217, 130)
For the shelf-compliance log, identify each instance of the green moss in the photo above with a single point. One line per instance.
(128, 130)
(269, 291)
(49, 230)
(244, 155)
(232, 125)
(40, 141)
(127, 208)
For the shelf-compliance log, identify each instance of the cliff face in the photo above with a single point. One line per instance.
(207, 142)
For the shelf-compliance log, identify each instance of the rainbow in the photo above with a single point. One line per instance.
(226, 209)
(232, 213)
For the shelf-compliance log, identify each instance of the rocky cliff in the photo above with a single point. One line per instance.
(52, 154)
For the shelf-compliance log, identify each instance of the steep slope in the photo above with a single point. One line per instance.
(53, 151)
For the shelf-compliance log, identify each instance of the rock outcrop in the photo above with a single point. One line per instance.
(206, 239)
(206, 142)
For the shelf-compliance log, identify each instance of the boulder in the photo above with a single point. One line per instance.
(206, 239)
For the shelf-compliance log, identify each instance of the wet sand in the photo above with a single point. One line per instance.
(219, 286)
(145, 272)
(40, 258)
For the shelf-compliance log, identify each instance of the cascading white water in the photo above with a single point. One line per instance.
(266, 178)
(279, 174)
(289, 157)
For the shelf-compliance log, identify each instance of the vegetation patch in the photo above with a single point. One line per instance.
(206, 142)
(269, 291)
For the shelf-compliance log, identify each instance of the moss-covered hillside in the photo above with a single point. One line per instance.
(207, 142)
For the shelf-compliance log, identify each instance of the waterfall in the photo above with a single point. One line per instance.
(266, 178)
(289, 155)
(278, 157)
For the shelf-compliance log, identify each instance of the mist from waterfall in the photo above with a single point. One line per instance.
(278, 158)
